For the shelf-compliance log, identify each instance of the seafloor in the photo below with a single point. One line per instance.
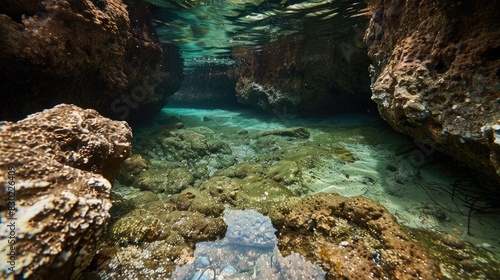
(258, 161)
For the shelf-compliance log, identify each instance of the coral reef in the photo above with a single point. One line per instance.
(352, 238)
(63, 161)
(435, 75)
(107, 59)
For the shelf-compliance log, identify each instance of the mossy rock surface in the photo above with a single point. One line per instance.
(243, 170)
(196, 201)
(130, 168)
(262, 195)
(165, 181)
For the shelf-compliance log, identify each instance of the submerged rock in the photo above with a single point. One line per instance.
(168, 181)
(107, 59)
(298, 132)
(350, 238)
(130, 168)
(299, 75)
(61, 162)
(435, 76)
(150, 241)
(196, 150)
(249, 193)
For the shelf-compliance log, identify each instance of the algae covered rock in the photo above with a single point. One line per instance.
(242, 170)
(60, 165)
(196, 201)
(196, 148)
(298, 132)
(164, 181)
(250, 193)
(350, 237)
(130, 168)
(156, 238)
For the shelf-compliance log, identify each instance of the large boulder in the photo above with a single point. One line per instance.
(300, 75)
(351, 238)
(436, 75)
(94, 54)
(55, 175)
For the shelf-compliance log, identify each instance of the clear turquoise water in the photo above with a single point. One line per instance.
(207, 30)
(422, 188)
(352, 155)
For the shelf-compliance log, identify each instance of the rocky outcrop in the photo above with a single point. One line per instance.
(436, 75)
(56, 170)
(300, 75)
(207, 85)
(95, 54)
(351, 238)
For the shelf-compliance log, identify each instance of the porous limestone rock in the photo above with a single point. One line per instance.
(436, 75)
(351, 238)
(95, 54)
(300, 75)
(63, 160)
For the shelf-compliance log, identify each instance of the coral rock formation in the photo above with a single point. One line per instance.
(62, 161)
(436, 75)
(94, 54)
(352, 238)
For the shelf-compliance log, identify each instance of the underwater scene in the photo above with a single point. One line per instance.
(192, 168)
(249, 139)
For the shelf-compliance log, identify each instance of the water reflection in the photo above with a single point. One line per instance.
(206, 31)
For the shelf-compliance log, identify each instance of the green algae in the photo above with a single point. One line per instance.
(242, 170)
(164, 181)
(344, 154)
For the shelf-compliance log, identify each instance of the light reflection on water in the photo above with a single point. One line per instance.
(206, 31)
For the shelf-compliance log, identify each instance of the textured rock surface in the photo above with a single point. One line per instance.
(94, 54)
(208, 84)
(436, 75)
(352, 238)
(297, 75)
(152, 239)
(64, 159)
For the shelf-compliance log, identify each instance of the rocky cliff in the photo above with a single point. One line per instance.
(55, 175)
(436, 75)
(93, 53)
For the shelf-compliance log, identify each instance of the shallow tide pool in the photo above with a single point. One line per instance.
(287, 157)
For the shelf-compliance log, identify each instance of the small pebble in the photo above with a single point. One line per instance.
(457, 231)
(344, 244)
